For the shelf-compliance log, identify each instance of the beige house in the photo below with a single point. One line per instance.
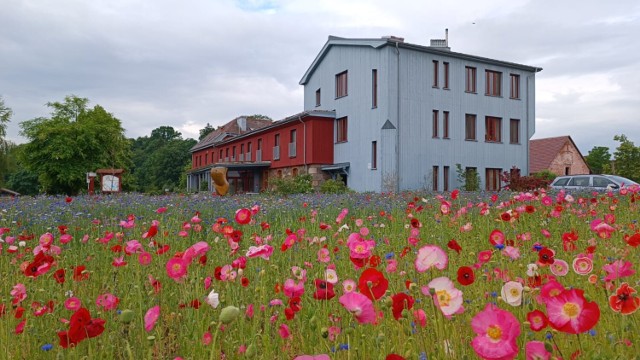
(560, 155)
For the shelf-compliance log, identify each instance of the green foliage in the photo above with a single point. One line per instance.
(205, 131)
(334, 186)
(5, 116)
(469, 178)
(300, 184)
(160, 160)
(627, 159)
(545, 175)
(23, 181)
(599, 160)
(74, 140)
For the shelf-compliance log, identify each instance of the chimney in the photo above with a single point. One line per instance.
(242, 123)
(441, 43)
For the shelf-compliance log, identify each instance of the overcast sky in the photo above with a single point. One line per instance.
(192, 62)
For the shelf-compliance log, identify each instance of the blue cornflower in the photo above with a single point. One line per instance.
(344, 346)
(389, 255)
(499, 246)
(549, 336)
(592, 332)
(423, 356)
(47, 347)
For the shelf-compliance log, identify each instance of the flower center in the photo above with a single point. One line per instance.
(571, 310)
(176, 267)
(494, 332)
(554, 292)
(443, 297)
(514, 292)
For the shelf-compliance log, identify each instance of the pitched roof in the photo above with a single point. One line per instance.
(399, 42)
(235, 127)
(543, 151)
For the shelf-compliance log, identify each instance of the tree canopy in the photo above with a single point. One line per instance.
(627, 158)
(5, 116)
(599, 160)
(73, 141)
(159, 160)
(206, 131)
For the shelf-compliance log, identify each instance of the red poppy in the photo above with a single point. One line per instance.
(324, 290)
(529, 209)
(359, 263)
(68, 199)
(466, 276)
(162, 249)
(39, 265)
(294, 304)
(545, 256)
(453, 245)
(394, 357)
(289, 313)
(505, 216)
(244, 281)
(62, 229)
(633, 240)
(454, 194)
(624, 300)
(80, 273)
(415, 223)
(81, 327)
(217, 273)
(401, 301)
(374, 261)
(537, 320)
(243, 216)
(373, 284)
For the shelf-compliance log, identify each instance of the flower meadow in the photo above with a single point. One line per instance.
(536, 275)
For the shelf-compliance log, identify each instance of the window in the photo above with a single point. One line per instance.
(567, 171)
(492, 179)
(259, 151)
(341, 85)
(374, 155)
(276, 147)
(445, 124)
(206, 158)
(602, 182)
(445, 69)
(435, 124)
(292, 143)
(435, 178)
(374, 88)
(226, 155)
(317, 97)
(241, 156)
(470, 127)
(341, 130)
(514, 131)
(493, 79)
(492, 129)
(294, 172)
(233, 154)
(220, 159)
(579, 181)
(435, 73)
(515, 86)
(249, 151)
(470, 80)
(445, 178)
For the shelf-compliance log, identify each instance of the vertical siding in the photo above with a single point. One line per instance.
(418, 151)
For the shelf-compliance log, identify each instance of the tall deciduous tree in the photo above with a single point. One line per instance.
(205, 131)
(5, 146)
(599, 159)
(159, 160)
(627, 158)
(73, 141)
(5, 116)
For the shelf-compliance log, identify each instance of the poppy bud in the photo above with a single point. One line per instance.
(251, 351)
(324, 332)
(228, 314)
(126, 316)
(313, 322)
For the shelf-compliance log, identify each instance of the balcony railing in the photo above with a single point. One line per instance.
(259, 156)
(292, 149)
(276, 153)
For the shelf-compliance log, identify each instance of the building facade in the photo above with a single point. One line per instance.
(560, 155)
(299, 144)
(407, 115)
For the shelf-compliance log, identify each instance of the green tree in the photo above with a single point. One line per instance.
(626, 159)
(5, 116)
(159, 160)
(206, 131)
(73, 141)
(599, 159)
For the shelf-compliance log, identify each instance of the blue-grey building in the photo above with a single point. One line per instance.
(407, 114)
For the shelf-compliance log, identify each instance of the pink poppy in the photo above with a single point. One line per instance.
(323, 255)
(420, 317)
(618, 269)
(176, 268)
(535, 350)
(550, 290)
(291, 289)
(107, 301)
(19, 293)
(313, 357)
(284, 331)
(151, 317)
(484, 256)
(227, 273)
(496, 237)
(73, 304)
(559, 267)
(570, 312)
(582, 265)
(497, 331)
(65, 238)
(512, 252)
(161, 210)
(263, 251)
(537, 320)
(360, 306)
(349, 285)
(119, 261)
(133, 246)
(144, 258)
(431, 256)
(153, 230)
(445, 295)
(603, 229)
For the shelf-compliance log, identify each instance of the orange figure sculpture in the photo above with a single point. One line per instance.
(219, 177)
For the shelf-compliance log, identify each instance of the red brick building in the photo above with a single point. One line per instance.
(255, 150)
(560, 155)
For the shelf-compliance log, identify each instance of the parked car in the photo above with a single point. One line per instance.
(591, 182)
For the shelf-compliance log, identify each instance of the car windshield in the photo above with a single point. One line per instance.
(622, 180)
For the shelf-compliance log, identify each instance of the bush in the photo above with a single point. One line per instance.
(300, 184)
(334, 186)
(469, 178)
(515, 182)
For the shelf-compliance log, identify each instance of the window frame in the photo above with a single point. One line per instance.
(445, 124)
(318, 97)
(445, 70)
(445, 178)
(434, 124)
(374, 88)
(515, 86)
(342, 127)
(342, 84)
(434, 178)
(492, 179)
(471, 80)
(374, 155)
(435, 73)
(493, 83)
(474, 121)
(514, 131)
(492, 129)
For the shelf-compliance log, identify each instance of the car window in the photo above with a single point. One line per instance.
(579, 181)
(561, 182)
(602, 182)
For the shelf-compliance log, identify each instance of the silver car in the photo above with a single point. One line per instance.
(591, 182)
